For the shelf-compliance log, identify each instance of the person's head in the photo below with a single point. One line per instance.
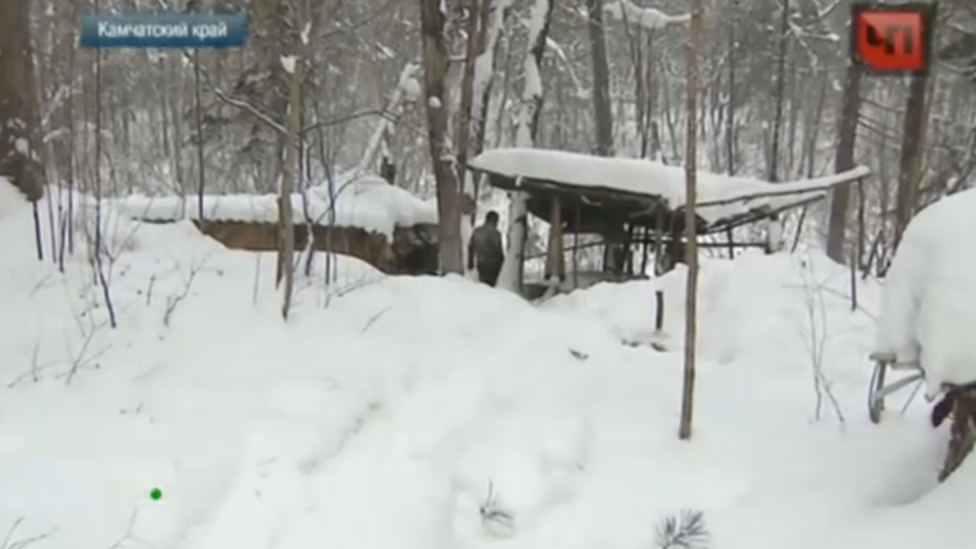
(491, 219)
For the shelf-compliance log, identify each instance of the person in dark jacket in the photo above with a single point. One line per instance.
(485, 250)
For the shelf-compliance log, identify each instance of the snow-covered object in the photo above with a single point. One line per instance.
(719, 196)
(484, 65)
(649, 18)
(929, 302)
(11, 199)
(411, 88)
(288, 62)
(531, 93)
(367, 202)
(408, 85)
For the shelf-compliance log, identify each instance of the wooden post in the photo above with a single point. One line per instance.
(555, 260)
(576, 234)
(645, 249)
(659, 311)
(628, 252)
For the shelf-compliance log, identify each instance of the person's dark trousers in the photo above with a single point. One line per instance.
(488, 274)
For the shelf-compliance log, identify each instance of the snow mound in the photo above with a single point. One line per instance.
(930, 294)
(11, 199)
(629, 309)
(794, 305)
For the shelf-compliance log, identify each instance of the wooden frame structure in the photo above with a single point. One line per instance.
(624, 216)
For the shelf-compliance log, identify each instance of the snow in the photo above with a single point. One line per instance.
(719, 196)
(648, 18)
(930, 294)
(288, 63)
(412, 90)
(484, 64)
(408, 84)
(22, 146)
(379, 417)
(368, 202)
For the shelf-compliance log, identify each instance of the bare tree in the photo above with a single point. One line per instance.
(436, 58)
(779, 96)
(601, 77)
(691, 224)
(844, 160)
(465, 133)
(294, 64)
(20, 152)
(527, 132)
(912, 154)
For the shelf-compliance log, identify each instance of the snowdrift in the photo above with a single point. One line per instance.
(930, 294)
(381, 414)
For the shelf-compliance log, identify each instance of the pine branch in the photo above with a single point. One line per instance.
(684, 531)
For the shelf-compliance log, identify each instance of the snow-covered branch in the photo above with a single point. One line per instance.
(648, 18)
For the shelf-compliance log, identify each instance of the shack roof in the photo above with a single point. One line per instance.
(642, 191)
(367, 202)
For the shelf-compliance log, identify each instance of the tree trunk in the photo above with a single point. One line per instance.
(912, 150)
(20, 151)
(464, 133)
(731, 160)
(435, 60)
(526, 134)
(774, 227)
(297, 47)
(843, 161)
(286, 216)
(601, 78)
(691, 233)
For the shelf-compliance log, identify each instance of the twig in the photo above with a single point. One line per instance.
(173, 301)
(22, 543)
(81, 360)
(374, 319)
(362, 22)
(40, 285)
(128, 532)
(815, 338)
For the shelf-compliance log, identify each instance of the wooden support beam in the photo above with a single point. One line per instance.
(555, 260)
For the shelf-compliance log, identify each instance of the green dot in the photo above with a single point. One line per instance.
(156, 494)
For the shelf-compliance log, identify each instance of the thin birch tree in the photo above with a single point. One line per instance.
(526, 134)
(691, 233)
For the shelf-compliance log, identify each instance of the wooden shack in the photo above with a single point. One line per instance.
(636, 203)
(371, 220)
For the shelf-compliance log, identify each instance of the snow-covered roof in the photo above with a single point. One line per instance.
(929, 300)
(720, 197)
(368, 202)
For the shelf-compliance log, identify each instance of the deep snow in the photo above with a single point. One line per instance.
(931, 297)
(380, 414)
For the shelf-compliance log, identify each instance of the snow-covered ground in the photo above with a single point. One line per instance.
(379, 416)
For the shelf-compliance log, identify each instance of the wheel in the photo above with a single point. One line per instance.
(875, 396)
